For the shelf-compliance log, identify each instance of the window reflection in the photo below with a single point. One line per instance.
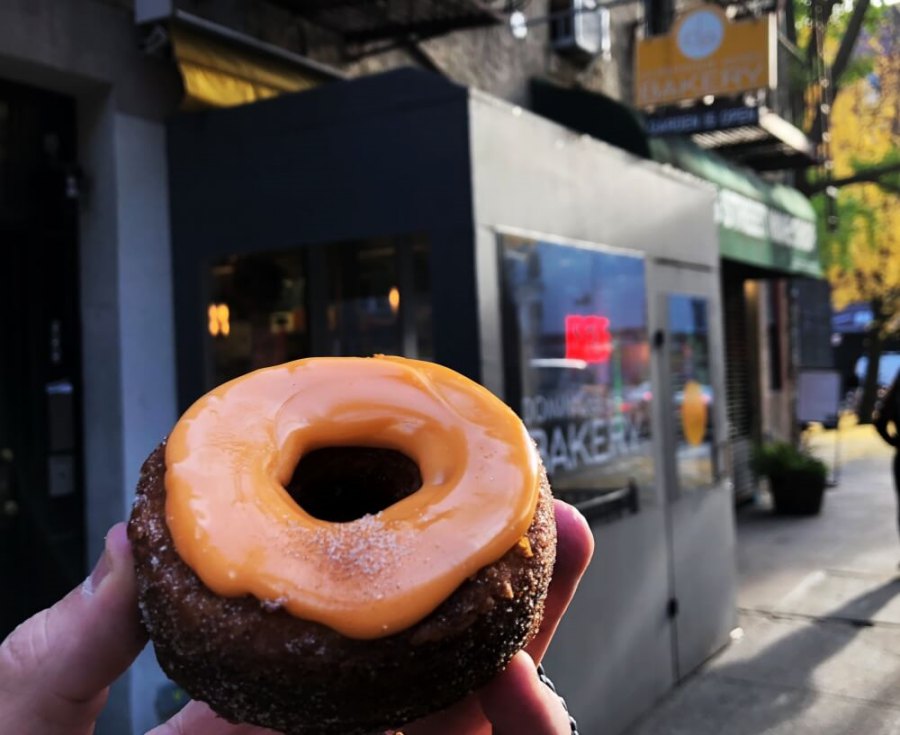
(352, 298)
(421, 305)
(693, 394)
(257, 315)
(577, 342)
(363, 316)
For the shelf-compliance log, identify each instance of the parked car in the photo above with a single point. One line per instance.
(888, 367)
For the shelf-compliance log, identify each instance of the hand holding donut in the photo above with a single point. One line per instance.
(516, 701)
(332, 546)
(56, 668)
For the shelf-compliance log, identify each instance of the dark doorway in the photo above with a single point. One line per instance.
(41, 487)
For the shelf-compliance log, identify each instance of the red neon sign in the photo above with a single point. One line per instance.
(588, 338)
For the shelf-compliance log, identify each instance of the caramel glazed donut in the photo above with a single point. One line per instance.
(342, 545)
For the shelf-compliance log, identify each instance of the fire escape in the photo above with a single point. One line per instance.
(361, 22)
(223, 66)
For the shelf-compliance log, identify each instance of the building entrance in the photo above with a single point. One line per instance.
(41, 487)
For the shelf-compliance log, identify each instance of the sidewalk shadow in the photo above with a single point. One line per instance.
(788, 664)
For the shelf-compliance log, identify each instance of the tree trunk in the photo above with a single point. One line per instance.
(874, 344)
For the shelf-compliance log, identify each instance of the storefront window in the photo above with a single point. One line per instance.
(692, 386)
(363, 312)
(421, 304)
(578, 359)
(257, 315)
(353, 298)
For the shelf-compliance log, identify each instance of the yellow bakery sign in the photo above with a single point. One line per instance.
(704, 54)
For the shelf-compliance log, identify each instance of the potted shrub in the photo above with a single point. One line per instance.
(797, 480)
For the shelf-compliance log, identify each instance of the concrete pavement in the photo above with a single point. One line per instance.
(818, 648)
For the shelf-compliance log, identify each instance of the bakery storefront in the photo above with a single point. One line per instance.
(776, 303)
(404, 214)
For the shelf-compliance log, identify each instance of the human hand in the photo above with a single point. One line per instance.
(56, 668)
(516, 701)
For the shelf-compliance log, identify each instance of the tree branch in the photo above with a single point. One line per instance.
(841, 60)
(870, 175)
(845, 50)
(889, 187)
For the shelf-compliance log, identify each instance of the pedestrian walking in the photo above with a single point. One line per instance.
(887, 412)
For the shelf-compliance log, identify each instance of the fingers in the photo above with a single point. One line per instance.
(55, 668)
(517, 702)
(198, 719)
(574, 548)
(463, 717)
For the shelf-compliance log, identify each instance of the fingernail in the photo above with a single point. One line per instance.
(117, 540)
(581, 518)
(574, 513)
(101, 571)
(116, 545)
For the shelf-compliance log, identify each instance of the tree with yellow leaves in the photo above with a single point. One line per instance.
(860, 228)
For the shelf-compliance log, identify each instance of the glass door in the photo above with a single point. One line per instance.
(691, 391)
(42, 544)
(699, 505)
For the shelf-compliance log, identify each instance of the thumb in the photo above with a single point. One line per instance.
(516, 701)
(56, 667)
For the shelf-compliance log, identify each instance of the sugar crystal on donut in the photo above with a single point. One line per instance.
(342, 544)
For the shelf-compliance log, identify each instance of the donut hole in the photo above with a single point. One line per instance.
(341, 484)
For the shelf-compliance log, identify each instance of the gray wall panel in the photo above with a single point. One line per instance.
(613, 656)
(532, 174)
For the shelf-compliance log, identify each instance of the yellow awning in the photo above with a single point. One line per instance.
(219, 74)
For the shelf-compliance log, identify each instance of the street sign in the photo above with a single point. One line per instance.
(700, 120)
(818, 396)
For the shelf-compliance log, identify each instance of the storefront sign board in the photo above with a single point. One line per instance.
(750, 217)
(701, 119)
(704, 54)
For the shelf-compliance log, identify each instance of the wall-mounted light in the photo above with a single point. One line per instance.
(394, 299)
(219, 323)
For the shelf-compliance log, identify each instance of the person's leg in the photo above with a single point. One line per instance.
(897, 483)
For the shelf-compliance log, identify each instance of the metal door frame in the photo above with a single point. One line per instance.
(674, 278)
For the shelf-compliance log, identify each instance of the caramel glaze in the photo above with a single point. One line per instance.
(231, 455)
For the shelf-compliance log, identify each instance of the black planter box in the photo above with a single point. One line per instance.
(797, 493)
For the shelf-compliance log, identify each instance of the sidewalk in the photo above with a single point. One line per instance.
(818, 648)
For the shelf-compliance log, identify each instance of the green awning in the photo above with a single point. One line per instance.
(762, 224)
(765, 225)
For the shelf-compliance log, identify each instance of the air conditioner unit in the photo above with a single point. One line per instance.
(153, 11)
(579, 28)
